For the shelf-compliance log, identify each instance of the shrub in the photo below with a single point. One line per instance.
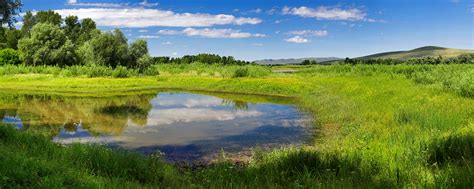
(120, 72)
(9, 56)
(241, 72)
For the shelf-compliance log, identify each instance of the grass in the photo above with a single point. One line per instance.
(378, 126)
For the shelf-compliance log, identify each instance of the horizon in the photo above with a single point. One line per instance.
(278, 30)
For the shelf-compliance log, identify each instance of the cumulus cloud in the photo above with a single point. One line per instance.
(142, 31)
(212, 33)
(297, 39)
(318, 33)
(326, 13)
(144, 17)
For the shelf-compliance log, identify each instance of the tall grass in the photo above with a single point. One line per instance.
(458, 78)
(213, 70)
(32, 161)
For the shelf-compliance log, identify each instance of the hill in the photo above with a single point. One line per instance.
(294, 60)
(428, 51)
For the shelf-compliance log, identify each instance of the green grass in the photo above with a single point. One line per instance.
(377, 126)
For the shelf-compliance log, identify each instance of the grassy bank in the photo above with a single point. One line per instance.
(378, 126)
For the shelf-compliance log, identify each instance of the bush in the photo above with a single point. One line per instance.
(9, 56)
(241, 72)
(120, 72)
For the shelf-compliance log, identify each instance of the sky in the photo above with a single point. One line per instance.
(264, 29)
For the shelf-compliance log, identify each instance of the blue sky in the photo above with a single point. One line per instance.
(260, 29)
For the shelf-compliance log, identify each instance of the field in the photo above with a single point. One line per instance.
(383, 126)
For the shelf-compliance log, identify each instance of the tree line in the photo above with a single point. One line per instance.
(201, 58)
(46, 38)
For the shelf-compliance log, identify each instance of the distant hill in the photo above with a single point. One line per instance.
(294, 61)
(428, 51)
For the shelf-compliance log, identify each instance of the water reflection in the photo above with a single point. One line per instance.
(182, 125)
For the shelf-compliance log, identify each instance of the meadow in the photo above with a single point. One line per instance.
(383, 126)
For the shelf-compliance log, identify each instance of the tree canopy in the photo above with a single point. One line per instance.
(8, 10)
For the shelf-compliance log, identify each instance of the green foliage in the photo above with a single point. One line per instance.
(47, 45)
(9, 9)
(109, 49)
(11, 37)
(202, 58)
(29, 20)
(309, 62)
(88, 31)
(120, 72)
(138, 50)
(241, 72)
(9, 56)
(49, 17)
(144, 62)
(72, 28)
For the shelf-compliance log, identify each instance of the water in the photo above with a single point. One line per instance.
(180, 125)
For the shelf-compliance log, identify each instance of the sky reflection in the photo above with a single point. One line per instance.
(182, 125)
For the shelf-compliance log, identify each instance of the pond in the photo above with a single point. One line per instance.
(180, 125)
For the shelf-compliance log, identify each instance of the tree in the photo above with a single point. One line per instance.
(11, 37)
(109, 49)
(137, 50)
(144, 62)
(72, 28)
(88, 31)
(50, 17)
(48, 45)
(8, 10)
(29, 20)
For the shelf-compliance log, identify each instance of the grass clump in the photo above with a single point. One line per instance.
(32, 161)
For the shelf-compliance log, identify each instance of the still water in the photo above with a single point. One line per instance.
(180, 125)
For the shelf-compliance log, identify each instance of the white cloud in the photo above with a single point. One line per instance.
(108, 5)
(258, 10)
(143, 17)
(297, 39)
(167, 43)
(142, 31)
(318, 33)
(326, 13)
(272, 11)
(175, 53)
(149, 36)
(257, 44)
(146, 4)
(219, 33)
(212, 33)
(168, 32)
